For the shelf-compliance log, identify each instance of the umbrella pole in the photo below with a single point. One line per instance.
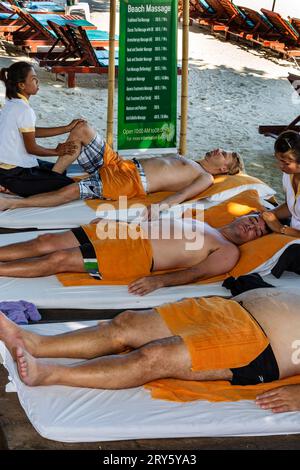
(274, 3)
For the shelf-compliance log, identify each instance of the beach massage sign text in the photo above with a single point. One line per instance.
(147, 84)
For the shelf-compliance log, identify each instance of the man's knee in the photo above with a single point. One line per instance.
(45, 242)
(130, 319)
(83, 132)
(60, 260)
(152, 355)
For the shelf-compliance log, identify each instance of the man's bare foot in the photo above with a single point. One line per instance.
(272, 221)
(7, 204)
(12, 335)
(281, 399)
(31, 371)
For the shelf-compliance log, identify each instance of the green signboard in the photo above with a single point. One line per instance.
(147, 81)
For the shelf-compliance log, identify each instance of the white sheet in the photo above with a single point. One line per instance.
(78, 213)
(47, 292)
(70, 414)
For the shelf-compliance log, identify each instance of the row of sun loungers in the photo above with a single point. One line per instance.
(73, 45)
(265, 28)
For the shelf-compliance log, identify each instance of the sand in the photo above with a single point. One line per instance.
(232, 89)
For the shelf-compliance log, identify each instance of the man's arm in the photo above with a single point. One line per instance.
(34, 149)
(199, 185)
(196, 187)
(220, 261)
(53, 131)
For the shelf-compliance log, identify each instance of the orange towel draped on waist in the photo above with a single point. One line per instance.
(119, 177)
(219, 333)
(124, 256)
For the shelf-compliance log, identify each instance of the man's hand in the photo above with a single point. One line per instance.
(74, 123)
(281, 399)
(151, 212)
(144, 285)
(66, 148)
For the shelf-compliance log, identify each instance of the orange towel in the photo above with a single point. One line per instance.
(119, 177)
(218, 333)
(123, 257)
(183, 390)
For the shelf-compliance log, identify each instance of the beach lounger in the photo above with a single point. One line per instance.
(91, 60)
(73, 414)
(36, 32)
(79, 212)
(237, 19)
(49, 293)
(288, 43)
(41, 7)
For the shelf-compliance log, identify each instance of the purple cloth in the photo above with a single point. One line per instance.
(20, 311)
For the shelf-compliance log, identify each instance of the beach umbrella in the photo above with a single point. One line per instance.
(274, 3)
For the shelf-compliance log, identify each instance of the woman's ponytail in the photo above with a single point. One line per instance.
(11, 77)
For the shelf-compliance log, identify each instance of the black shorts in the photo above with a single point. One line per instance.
(88, 253)
(29, 181)
(263, 369)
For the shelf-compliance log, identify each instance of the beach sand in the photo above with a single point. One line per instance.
(232, 90)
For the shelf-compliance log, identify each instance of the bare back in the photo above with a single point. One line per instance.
(171, 173)
(182, 243)
(278, 313)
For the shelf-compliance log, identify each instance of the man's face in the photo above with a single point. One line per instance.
(249, 227)
(219, 161)
(287, 162)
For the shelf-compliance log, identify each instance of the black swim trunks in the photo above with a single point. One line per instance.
(263, 369)
(88, 253)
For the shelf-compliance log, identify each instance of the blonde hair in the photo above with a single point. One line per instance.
(237, 165)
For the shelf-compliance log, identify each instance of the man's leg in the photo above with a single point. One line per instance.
(62, 261)
(160, 359)
(82, 135)
(127, 330)
(39, 246)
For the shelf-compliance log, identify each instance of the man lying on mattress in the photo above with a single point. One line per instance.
(111, 177)
(116, 251)
(245, 341)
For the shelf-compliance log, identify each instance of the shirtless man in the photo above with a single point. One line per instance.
(196, 249)
(157, 352)
(108, 174)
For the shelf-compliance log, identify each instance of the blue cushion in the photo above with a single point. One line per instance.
(207, 7)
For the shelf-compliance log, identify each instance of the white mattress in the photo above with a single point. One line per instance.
(78, 213)
(48, 292)
(70, 414)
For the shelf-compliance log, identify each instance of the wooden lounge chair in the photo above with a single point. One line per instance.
(263, 28)
(97, 38)
(36, 32)
(274, 131)
(236, 17)
(39, 7)
(90, 60)
(198, 9)
(288, 43)
(288, 33)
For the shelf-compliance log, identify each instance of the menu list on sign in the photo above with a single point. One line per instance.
(149, 54)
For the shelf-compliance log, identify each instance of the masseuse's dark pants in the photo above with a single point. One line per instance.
(29, 181)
